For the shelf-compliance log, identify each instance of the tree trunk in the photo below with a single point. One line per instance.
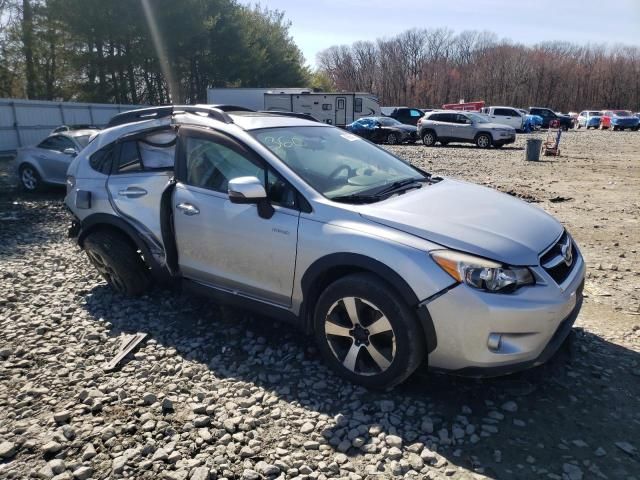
(27, 46)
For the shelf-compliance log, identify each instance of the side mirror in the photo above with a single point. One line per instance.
(70, 151)
(247, 190)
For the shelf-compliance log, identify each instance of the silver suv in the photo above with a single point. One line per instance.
(446, 126)
(386, 265)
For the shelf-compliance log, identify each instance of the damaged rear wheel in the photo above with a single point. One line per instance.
(118, 261)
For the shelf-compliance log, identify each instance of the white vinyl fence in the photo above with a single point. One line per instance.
(27, 122)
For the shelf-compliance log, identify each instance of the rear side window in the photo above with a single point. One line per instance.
(155, 151)
(101, 160)
(57, 143)
(415, 113)
(436, 117)
(358, 105)
(129, 160)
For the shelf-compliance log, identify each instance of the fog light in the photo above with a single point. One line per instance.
(494, 341)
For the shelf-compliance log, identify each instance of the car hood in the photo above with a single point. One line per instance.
(470, 218)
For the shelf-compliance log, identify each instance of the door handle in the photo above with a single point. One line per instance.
(188, 209)
(132, 192)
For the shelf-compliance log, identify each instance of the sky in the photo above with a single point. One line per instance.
(319, 24)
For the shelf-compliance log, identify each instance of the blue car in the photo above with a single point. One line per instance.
(620, 120)
(589, 119)
(383, 130)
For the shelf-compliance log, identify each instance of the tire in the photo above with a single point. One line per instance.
(118, 262)
(578, 126)
(429, 138)
(398, 348)
(30, 180)
(483, 140)
(635, 129)
(392, 139)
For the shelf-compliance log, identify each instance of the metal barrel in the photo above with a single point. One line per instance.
(532, 152)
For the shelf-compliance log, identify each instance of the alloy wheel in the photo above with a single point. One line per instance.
(483, 141)
(391, 139)
(360, 336)
(29, 178)
(428, 139)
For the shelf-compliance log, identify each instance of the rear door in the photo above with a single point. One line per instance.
(446, 126)
(228, 245)
(135, 188)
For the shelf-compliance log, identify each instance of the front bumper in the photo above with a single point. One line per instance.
(529, 325)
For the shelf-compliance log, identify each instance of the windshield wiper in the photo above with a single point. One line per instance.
(389, 189)
(402, 185)
(356, 198)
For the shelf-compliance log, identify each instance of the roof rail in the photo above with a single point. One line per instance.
(217, 112)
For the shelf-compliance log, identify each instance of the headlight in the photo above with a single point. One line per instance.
(481, 273)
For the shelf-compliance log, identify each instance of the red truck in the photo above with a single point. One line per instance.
(467, 107)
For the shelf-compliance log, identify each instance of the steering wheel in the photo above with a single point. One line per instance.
(334, 175)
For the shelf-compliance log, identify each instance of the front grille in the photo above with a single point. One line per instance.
(560, 259)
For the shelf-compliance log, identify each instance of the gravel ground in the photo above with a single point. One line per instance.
(215, 393)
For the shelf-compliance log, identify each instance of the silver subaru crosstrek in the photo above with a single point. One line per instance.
(387, 266)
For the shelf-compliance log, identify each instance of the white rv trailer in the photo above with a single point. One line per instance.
(252, 98)
(332, 108)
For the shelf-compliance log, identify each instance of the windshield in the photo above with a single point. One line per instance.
(83, 140)
(388, 121)
(335, 162)
(595, 114)
(477, 118)
(622, 113)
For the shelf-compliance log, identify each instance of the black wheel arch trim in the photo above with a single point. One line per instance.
(361, 262)
(96, 220)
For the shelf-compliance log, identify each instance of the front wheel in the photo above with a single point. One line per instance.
(483, 140)
(392, 139)
(118, 262)
(29, 178)
(367, 333)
